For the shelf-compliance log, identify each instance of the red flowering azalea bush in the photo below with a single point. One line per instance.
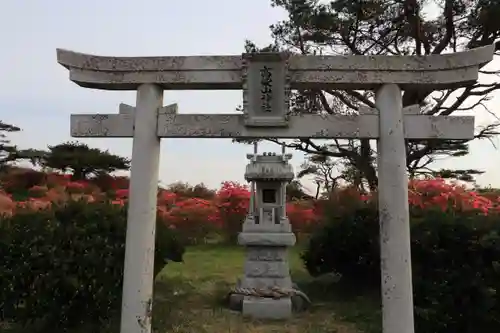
(76, 187)
(194, 219)
(199, 211)
(302, 215)
(121, 194)
(18, 181)
(438, 193)
(232, 202)
(167, 199)
(56, 179)
(108, 183)
(38, 191)
(7, 205)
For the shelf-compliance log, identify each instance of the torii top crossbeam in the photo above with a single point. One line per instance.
(285, 72)
(225, 72)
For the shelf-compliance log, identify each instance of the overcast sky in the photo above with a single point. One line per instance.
(36, 94)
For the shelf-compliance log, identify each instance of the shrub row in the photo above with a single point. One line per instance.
(198, 213)
(196, 219)
(455, 258)
(63, 267)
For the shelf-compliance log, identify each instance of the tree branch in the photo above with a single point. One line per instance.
(449, 25)
(344, 100)
(361, 98)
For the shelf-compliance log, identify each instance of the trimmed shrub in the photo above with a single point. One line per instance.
(456, 272)
(302, 216)
(19, 181)
(232, 203)
(63, 267)
(192, 219)
(346, 244)
(455, 258)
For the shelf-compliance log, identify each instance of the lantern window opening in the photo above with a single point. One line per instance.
(269, 196)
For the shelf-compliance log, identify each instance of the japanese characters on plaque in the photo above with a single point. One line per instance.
(266, 89)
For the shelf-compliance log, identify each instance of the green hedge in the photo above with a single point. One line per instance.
(455, 258)
(63, 267)
(346, 244)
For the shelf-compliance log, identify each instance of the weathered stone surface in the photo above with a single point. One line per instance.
(266, 254)
(357, 79)
(266, 282)
(271, 170)
(225, 72)
(70, 59)
(365, 125)
(266, 239)
(129, 109)
(119, 125)
(188, 80)
(283, 227)
(102, 125)
(266, 89)
(411, 109)
(126, 109)
(478, 56)
(313, 126)
(273, 269)
(298, 303)
(140, 234)
(236, 302)
(267, 308)
(395, 244)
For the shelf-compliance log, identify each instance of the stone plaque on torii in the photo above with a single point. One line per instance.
(266, 80)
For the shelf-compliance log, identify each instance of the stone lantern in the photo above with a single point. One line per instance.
(266, 289)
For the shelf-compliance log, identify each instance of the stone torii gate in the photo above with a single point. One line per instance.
(266, 80)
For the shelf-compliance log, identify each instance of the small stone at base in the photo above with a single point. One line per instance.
(236, 302)
(267, 308)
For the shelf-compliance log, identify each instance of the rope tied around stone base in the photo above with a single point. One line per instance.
(274, 292)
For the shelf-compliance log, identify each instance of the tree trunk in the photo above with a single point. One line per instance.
(79, 174)
(318, 186)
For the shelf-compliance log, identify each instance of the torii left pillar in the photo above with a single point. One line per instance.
(137, 301)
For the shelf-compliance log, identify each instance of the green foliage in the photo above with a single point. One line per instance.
(456, 273)
(34, 156)
(466, 175)
(323, 169)
(185, 190)
(63, 267)
(393, 28)
(295, 191)
(82, 160)
(8, 152)
(346, 244)
(455, 258)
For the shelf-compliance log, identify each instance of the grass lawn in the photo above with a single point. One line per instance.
(188, 298)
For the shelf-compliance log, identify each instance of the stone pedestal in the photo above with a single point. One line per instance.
(266, 267)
